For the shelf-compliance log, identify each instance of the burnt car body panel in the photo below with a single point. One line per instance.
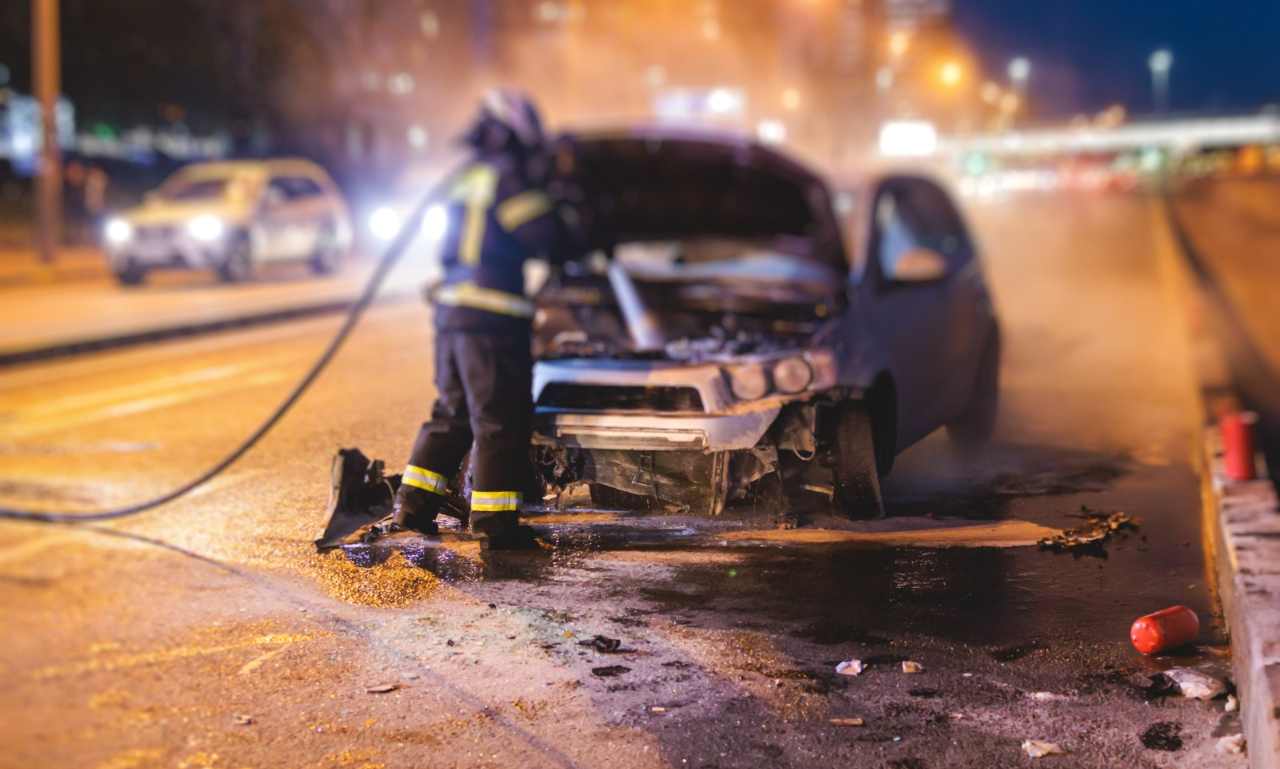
(748, 269)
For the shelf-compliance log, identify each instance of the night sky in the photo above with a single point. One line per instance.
(1087, 54)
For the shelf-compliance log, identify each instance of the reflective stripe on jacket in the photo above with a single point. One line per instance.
(498, 220)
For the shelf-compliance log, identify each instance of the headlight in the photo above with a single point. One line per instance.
(118, 232)
(792, 375)
(436, 223)
(384, 223)
(206, 228)
(748, 382)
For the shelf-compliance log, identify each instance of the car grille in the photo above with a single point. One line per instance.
(155, 233)
(592, 397)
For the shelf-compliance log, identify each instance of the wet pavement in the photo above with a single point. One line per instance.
(150, 646)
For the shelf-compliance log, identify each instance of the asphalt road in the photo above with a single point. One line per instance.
(209, 634)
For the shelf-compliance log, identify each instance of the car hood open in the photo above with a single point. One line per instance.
(648, 185)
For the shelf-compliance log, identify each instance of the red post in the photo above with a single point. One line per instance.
(1237, 430)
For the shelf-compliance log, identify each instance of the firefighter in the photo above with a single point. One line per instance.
(501, 214)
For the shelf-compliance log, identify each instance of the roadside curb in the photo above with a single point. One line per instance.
(1246, 544)
(15, 357)
(1241, 518)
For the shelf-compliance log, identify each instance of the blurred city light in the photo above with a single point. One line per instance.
(1161, 61)
(899, 42)
(951, 73)
(908, 138)
(1020, 70)
(771, 131)
(117, 231)
(206, 228)
(384, 223)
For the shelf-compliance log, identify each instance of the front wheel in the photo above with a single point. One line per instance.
(856, 475)
(131, 274)
(327, 257)
(237, 266)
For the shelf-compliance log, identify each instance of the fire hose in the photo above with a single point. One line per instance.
(408, 231)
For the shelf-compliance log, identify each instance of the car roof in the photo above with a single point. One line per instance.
(256, 168)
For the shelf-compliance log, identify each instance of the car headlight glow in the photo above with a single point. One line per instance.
(435, 223)
(206, 228)
(748, 382)
(791, 375)
(118, 232)
(384, 223)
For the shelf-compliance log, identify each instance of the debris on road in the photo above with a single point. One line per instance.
(910, 666)
(657, 709)
(1196, 685)
(850, 668)
(610, 671)
(1232, 743)
(1163, 735)
(242, 720)
(851, 721)
(381, 688)
(1047, 696)
(1165, 629)
(603, 644)
(1040, 748)
(1232, 704)
(1098, 527)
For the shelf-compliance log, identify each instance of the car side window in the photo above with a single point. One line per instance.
(306, 188)
(295, 188)
(913, 213)
(279, 191)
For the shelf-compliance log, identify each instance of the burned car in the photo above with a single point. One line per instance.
(747, 330)
(742, 331)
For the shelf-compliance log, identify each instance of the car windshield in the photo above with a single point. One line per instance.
(745, 264)
(190, 190)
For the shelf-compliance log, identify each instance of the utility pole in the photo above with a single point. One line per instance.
(46, 79)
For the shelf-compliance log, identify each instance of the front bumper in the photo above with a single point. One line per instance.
(656, 432)
(169, 250)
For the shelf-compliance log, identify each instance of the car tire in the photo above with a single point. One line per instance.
(328, 255)
(237, 267)
(131, 274)
(609, 498)
(856, 475)
(977, 423)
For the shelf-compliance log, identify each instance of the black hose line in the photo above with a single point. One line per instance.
(408, 231)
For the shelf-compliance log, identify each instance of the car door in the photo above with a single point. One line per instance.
(915, 254)
(293, 207)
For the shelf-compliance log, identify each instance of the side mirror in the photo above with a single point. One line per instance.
(919, 265)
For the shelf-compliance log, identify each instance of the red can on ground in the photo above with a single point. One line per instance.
(1165, 629)
(1237, 429)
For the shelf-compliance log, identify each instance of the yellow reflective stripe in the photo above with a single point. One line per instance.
(495, 501)
(422, 478)
(477, 189)
(487, 299)
(522, 208)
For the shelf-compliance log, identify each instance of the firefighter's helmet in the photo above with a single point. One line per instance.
(505, 118)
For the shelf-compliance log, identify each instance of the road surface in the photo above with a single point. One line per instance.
(209, 634)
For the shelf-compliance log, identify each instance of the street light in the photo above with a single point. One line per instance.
(899, 41)
(951, 74)
(1019, 71)
(1161, 62)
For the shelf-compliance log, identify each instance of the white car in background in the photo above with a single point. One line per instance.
(232, 217)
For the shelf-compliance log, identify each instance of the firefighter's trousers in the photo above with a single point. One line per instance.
(483, 395)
